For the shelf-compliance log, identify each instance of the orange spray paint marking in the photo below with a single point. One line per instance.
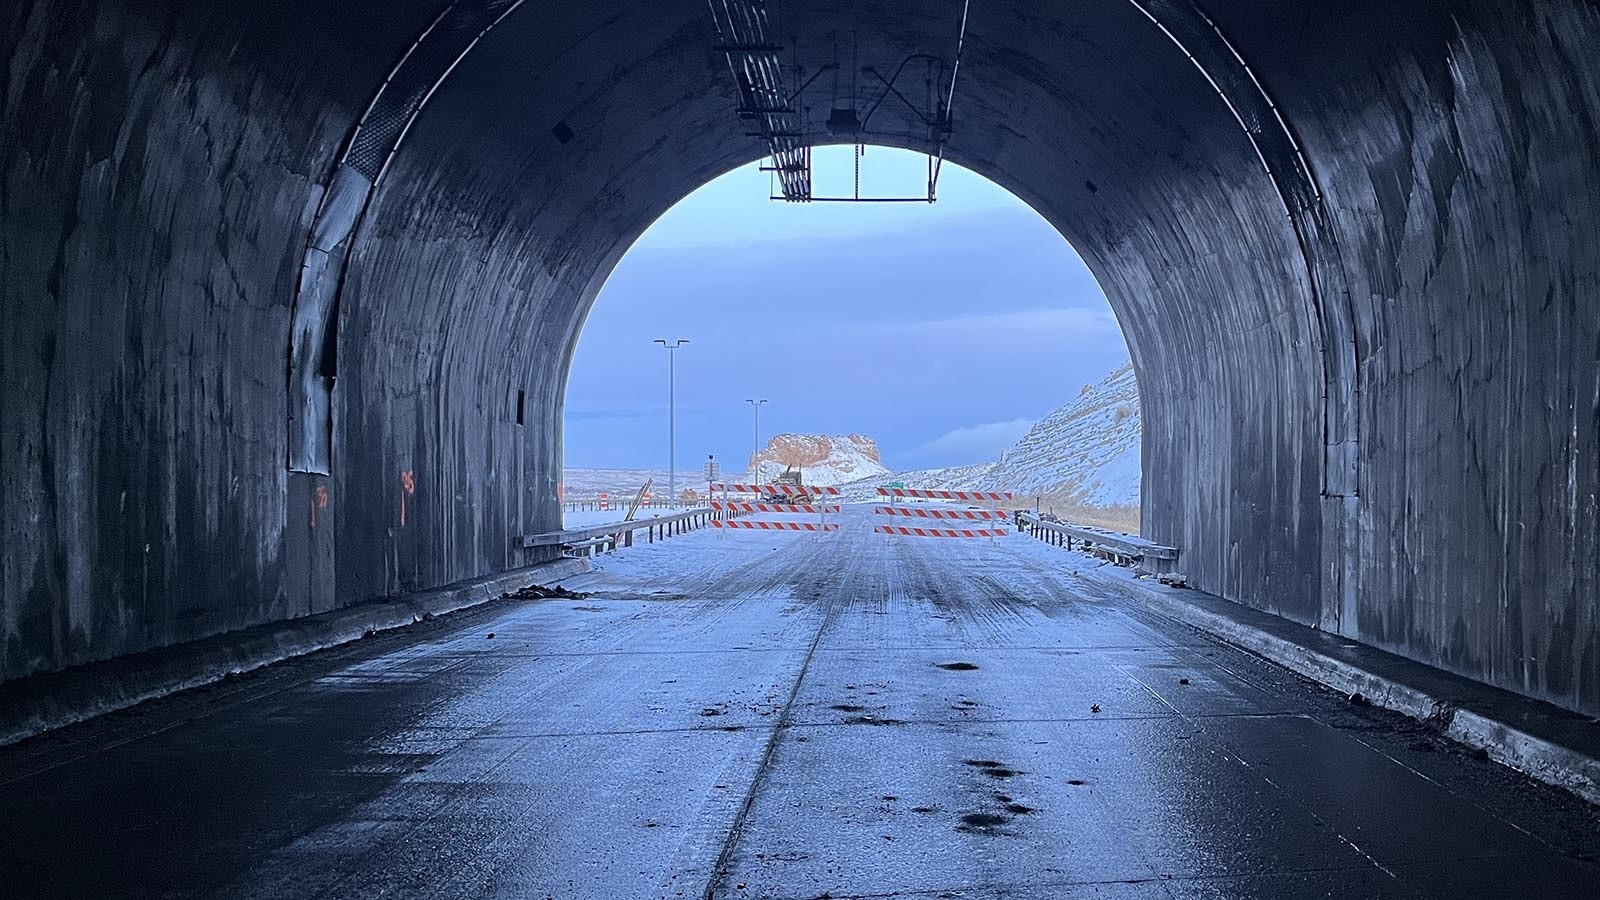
(408, 484)
(320, 501)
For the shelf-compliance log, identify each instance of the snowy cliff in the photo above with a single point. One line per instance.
(823, 460)
(1086, 452)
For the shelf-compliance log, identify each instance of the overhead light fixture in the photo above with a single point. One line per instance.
(842, 122)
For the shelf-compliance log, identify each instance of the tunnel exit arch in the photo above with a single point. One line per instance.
(1279, 303)
(903, 321)
(1351, 248)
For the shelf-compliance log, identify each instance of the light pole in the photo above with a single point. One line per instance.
(672, 436)
(756, 463)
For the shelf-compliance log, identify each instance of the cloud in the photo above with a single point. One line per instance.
(976, 442)
(1017, 325)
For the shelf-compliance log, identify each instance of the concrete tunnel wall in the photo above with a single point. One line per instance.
(1361, 297)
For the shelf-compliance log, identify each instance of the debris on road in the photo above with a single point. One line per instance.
(541, 592)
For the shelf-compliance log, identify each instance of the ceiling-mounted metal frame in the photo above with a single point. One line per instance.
(744, 31)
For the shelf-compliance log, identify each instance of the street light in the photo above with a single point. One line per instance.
(672, 436)
(756, 463)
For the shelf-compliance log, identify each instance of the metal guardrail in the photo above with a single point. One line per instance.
(621, 533)
(586, 504)
(1115, 543)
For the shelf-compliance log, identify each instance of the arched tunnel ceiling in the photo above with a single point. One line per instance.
(1351, 246)
(1055, 107)
(1090, 112)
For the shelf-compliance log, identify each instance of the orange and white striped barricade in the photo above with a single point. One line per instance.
(779, 498)
(800, 490)
(966, 496)
(917, 531)
(993, 514)
(989, 515)
(740, 506)
(759, 525)
(605, 501)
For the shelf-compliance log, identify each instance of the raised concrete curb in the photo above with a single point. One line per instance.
(41, 703)
(1555, 745)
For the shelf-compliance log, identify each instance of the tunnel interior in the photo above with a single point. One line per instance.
(291, 290)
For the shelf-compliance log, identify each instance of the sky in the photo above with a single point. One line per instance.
(942, 331)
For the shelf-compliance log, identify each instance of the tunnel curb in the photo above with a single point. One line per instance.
(42, 703)
(1501, 724)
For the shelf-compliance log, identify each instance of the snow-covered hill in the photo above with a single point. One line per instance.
(1087, 450)
(1085, 453)
(823, 460)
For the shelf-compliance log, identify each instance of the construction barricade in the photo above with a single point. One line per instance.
(736, 506)
(965, 496)
(758, 525)
(914, 531)
(773, 498)
(921, 513)
(994, 514)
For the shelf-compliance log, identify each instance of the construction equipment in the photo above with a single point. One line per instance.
(790, 476)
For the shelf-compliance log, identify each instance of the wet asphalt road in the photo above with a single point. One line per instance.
(782, 716)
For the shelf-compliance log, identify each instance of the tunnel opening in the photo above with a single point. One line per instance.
(1351, 251)
(289, 300)
(950, 346)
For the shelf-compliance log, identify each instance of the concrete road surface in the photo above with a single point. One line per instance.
(759, 715)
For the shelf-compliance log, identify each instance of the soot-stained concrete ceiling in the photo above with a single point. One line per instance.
(291, 289)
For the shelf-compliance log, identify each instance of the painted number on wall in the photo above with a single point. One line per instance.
(319, 500)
